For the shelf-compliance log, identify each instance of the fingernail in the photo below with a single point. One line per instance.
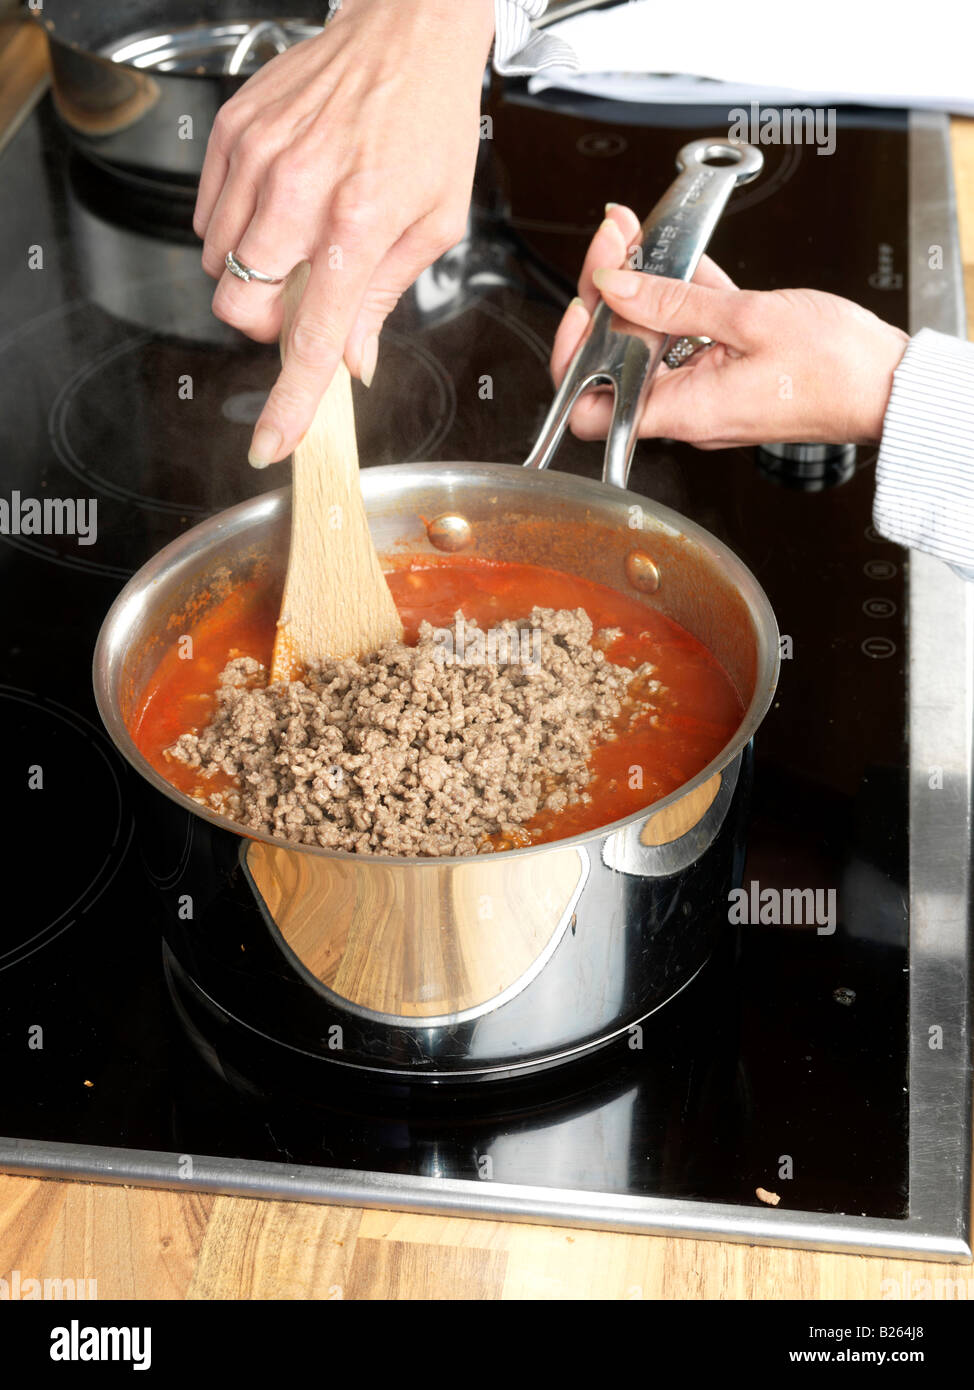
(623, 284)
(577, 303)
(264, 446)
(608, 222)
(609, 207)
(370, 355)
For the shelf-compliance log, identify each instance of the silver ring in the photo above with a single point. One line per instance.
(685, 348)
(246, 272)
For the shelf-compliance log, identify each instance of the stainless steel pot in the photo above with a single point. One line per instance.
(452, 967)
(138, 84)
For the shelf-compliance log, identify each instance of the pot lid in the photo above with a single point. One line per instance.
(210, 50)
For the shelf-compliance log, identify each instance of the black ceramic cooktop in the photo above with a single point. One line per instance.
(783, 1065)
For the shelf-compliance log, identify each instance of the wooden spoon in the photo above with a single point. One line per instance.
(336, 601)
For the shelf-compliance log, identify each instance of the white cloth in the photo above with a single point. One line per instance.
(824, 55)
(518, 49)
(925, 471)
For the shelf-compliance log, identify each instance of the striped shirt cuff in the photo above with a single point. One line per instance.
(925, 470)
(518, 49)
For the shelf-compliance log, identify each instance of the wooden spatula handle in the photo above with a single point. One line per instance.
(336, 601)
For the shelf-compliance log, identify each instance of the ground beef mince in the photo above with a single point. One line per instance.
(424, 750)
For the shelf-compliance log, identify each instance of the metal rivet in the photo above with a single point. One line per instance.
(642, 572)
(449, 532)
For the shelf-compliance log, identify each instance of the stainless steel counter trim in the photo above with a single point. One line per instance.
(941, 643)
(500, 1201)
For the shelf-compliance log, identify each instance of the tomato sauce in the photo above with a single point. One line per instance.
(658, 748)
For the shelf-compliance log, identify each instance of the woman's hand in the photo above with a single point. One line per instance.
(788, 365)
(354, 150)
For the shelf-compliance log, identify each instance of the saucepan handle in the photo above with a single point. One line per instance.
(613, 353)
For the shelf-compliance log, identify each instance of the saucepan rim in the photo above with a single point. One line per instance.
(111, 645)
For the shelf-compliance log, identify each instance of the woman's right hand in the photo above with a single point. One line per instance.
(788, 365)
(354, 150)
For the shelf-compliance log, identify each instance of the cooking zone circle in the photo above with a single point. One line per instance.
(155, 462)
(91, 430)
(60, 776)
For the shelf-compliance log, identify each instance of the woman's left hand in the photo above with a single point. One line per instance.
(787, 364)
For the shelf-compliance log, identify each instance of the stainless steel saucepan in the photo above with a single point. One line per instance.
(138, 85)
(456, 967)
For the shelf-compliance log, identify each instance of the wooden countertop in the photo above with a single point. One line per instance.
(149, 1244)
